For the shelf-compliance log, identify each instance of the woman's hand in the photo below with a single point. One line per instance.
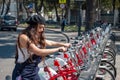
(67, 45)
(62, 49)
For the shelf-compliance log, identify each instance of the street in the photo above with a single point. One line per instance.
(7, 51)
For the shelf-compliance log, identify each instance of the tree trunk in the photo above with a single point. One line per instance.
(58, 18)
(90, 14)
(8, 7)
(38, 8)
(3, 6)
(67, 14)
(25, 7)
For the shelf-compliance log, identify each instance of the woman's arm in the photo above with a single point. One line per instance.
(33, 48)
(44, 52)
(53, 43)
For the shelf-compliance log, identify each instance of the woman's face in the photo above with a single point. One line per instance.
(40, 29)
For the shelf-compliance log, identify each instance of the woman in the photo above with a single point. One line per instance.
(30, 49)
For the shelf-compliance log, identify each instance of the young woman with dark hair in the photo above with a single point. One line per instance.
(31, 47)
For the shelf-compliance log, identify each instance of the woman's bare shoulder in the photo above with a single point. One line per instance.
(23, 36)
(23, 40)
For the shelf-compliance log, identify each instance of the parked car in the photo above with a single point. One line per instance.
(8, 22)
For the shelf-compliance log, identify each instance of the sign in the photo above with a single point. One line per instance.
(62, 1)
(62, 6)
(30, 6)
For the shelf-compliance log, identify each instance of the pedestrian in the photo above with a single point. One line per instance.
(31, 48)
(63, 24)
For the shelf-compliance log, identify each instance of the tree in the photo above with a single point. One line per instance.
(8, 7)
(38, 7)
(53, 4)
(3, 5)
(1, 1)
(89, 14)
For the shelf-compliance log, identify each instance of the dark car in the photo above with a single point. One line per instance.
(8, 22)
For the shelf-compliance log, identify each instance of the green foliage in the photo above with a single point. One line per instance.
(50, 4)
(106, 4)
(52, 26)
(117, 3)
(70, 28)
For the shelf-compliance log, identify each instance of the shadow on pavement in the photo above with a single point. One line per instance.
(7, 44)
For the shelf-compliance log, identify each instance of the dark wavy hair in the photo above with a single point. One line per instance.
(30, 31)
